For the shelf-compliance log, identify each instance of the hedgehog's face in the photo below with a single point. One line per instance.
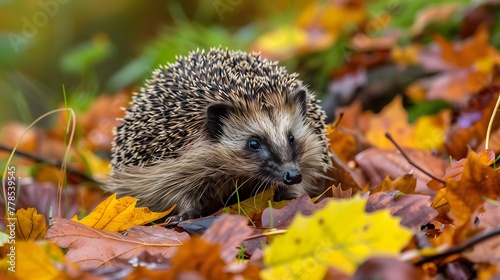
(267, 143)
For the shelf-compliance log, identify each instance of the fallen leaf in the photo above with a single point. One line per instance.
(405, 184)
(30, 225)
(341, 235)
(465, 67)
(337, 192)
(393, 119)
(471, 125)
(43, 197)
(413, 209)
(36, 259)
(82, 242)
(198, 259)
(343, 145)
(282, 218)
(487, 251)
(387, 268)
(395, 165)
(229, 231)
(430, 131)
(120, 214)
(253, 206)
(465, 196)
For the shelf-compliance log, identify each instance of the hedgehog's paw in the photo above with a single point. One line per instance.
(184, 216)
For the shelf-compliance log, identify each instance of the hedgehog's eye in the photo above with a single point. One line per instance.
(291, 138)
(253, 144)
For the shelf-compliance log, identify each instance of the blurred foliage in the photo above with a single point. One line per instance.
(93, 47)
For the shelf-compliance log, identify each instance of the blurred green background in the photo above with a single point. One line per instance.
(95, 47)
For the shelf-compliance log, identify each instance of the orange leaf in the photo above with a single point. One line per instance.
(343, 145)
(393, 119)
(200, 260)
(30, 225)
(466, 195)
(120, 214)
(405, 184)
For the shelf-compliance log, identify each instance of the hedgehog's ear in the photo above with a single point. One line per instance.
(299, 97)
(215, 114)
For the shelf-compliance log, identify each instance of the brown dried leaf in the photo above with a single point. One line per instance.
(413, 209)
(395, 165)
(198, 259)
(82, 242)
(471, 125)
(465, 196)
(388, 269)
(488, 251)
(283, 217)
(30, 225)
(229, 231)
(337, 192)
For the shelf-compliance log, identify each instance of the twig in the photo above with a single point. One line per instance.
(462, 247)
(39, 159)
(410, 161)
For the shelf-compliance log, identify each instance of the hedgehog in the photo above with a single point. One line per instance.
(216, 127)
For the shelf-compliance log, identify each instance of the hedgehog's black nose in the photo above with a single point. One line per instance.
(292, 177)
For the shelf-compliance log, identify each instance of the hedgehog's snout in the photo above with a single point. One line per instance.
(292, 177)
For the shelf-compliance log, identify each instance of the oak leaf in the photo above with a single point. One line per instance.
(341, 235)
(120, 214)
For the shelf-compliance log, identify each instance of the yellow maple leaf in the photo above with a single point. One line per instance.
(120, 214)
(341, 235)
(30, 225)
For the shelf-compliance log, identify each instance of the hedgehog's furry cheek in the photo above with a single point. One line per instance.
(216, 113)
